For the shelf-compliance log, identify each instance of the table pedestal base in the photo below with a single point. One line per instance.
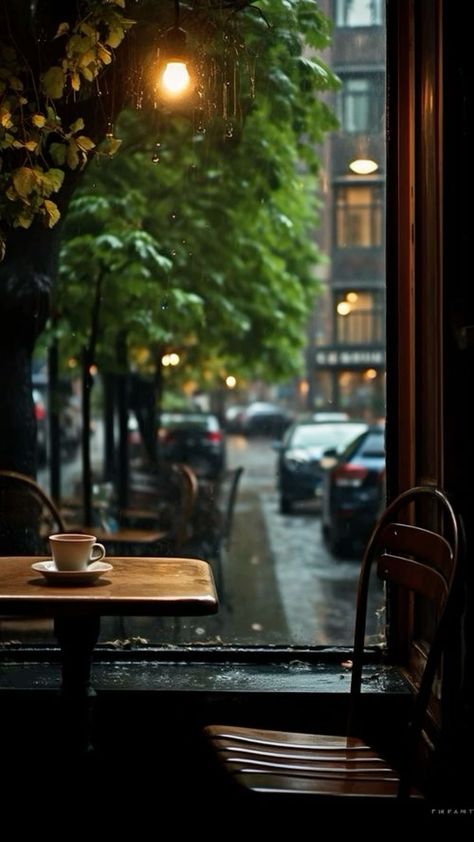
(77, 637)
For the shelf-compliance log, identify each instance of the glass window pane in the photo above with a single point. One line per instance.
(227, 256)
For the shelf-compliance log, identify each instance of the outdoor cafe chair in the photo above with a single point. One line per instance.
(422, 562)
(28, 516)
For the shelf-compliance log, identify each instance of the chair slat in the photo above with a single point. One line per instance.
(413, 576)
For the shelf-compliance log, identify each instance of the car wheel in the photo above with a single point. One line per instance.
(286, 506)
(333, 543)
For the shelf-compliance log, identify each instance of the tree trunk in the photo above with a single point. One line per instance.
(25, 285)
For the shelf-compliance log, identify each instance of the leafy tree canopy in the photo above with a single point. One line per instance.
(198, 235)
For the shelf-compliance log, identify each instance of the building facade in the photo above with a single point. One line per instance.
(346, 356)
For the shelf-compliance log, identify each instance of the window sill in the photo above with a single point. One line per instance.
(212, 672)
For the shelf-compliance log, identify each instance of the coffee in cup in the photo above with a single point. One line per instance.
(74, 550)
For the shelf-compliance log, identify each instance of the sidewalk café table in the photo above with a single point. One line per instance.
(133, 587)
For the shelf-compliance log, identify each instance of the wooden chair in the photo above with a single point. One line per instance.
(27, 516)
(169, 526)
(420, 561)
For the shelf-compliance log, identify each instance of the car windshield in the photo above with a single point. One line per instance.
(373, 446)
(182, 421)
(324, 435)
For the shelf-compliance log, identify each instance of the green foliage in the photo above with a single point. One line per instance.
(33, 140)
(201, 237)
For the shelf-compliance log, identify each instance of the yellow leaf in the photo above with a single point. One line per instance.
(63, 29)
(75, 81)
(115, 37)
(53, 82)
(25, 181)
(38, 120)
(5, 118)
(24, 219)
(110, 146)
(72, 155)
(88, 75)
(15, 83)
(52, 212)
(77, 125)
(103, 54)
(31, 145)
(87, 58)
(85, 143)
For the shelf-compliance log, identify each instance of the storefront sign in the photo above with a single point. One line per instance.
(349, 357)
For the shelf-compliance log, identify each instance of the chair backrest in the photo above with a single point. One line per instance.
(228, 495)
(423, 562)
(27, 516)
(188, 485)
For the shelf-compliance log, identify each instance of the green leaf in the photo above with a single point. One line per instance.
(52, 82)
(52, 181)
(58, 153)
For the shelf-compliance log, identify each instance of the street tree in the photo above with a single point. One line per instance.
(64, 77)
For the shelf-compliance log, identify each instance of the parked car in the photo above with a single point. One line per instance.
(69, 422)
(299, 469)
(41, 427)
(233, 418)
(195, 438)
(354, 492)
(264, 419)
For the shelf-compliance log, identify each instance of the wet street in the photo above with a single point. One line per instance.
(280, 585)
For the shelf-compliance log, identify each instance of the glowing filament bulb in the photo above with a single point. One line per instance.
(176, 78)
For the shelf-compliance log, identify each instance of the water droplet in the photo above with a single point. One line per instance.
(173, 216)
(155, 159)
(173, 253)
(164, 304)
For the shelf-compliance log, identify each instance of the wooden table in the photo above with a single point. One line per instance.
(135, 587)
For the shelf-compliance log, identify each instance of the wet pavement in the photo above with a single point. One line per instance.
(280, 584)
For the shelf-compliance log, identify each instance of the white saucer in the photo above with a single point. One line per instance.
(71, 577)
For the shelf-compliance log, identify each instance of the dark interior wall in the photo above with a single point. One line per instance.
(458, 188)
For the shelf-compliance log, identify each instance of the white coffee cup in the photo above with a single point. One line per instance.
(75, 551)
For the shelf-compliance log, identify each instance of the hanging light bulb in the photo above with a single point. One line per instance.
(174, 78)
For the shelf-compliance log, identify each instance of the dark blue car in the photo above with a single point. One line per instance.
(354, 493)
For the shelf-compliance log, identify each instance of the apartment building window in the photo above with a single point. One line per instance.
(359, 216)
(360, 317)
(359, 12)
(359, 104)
